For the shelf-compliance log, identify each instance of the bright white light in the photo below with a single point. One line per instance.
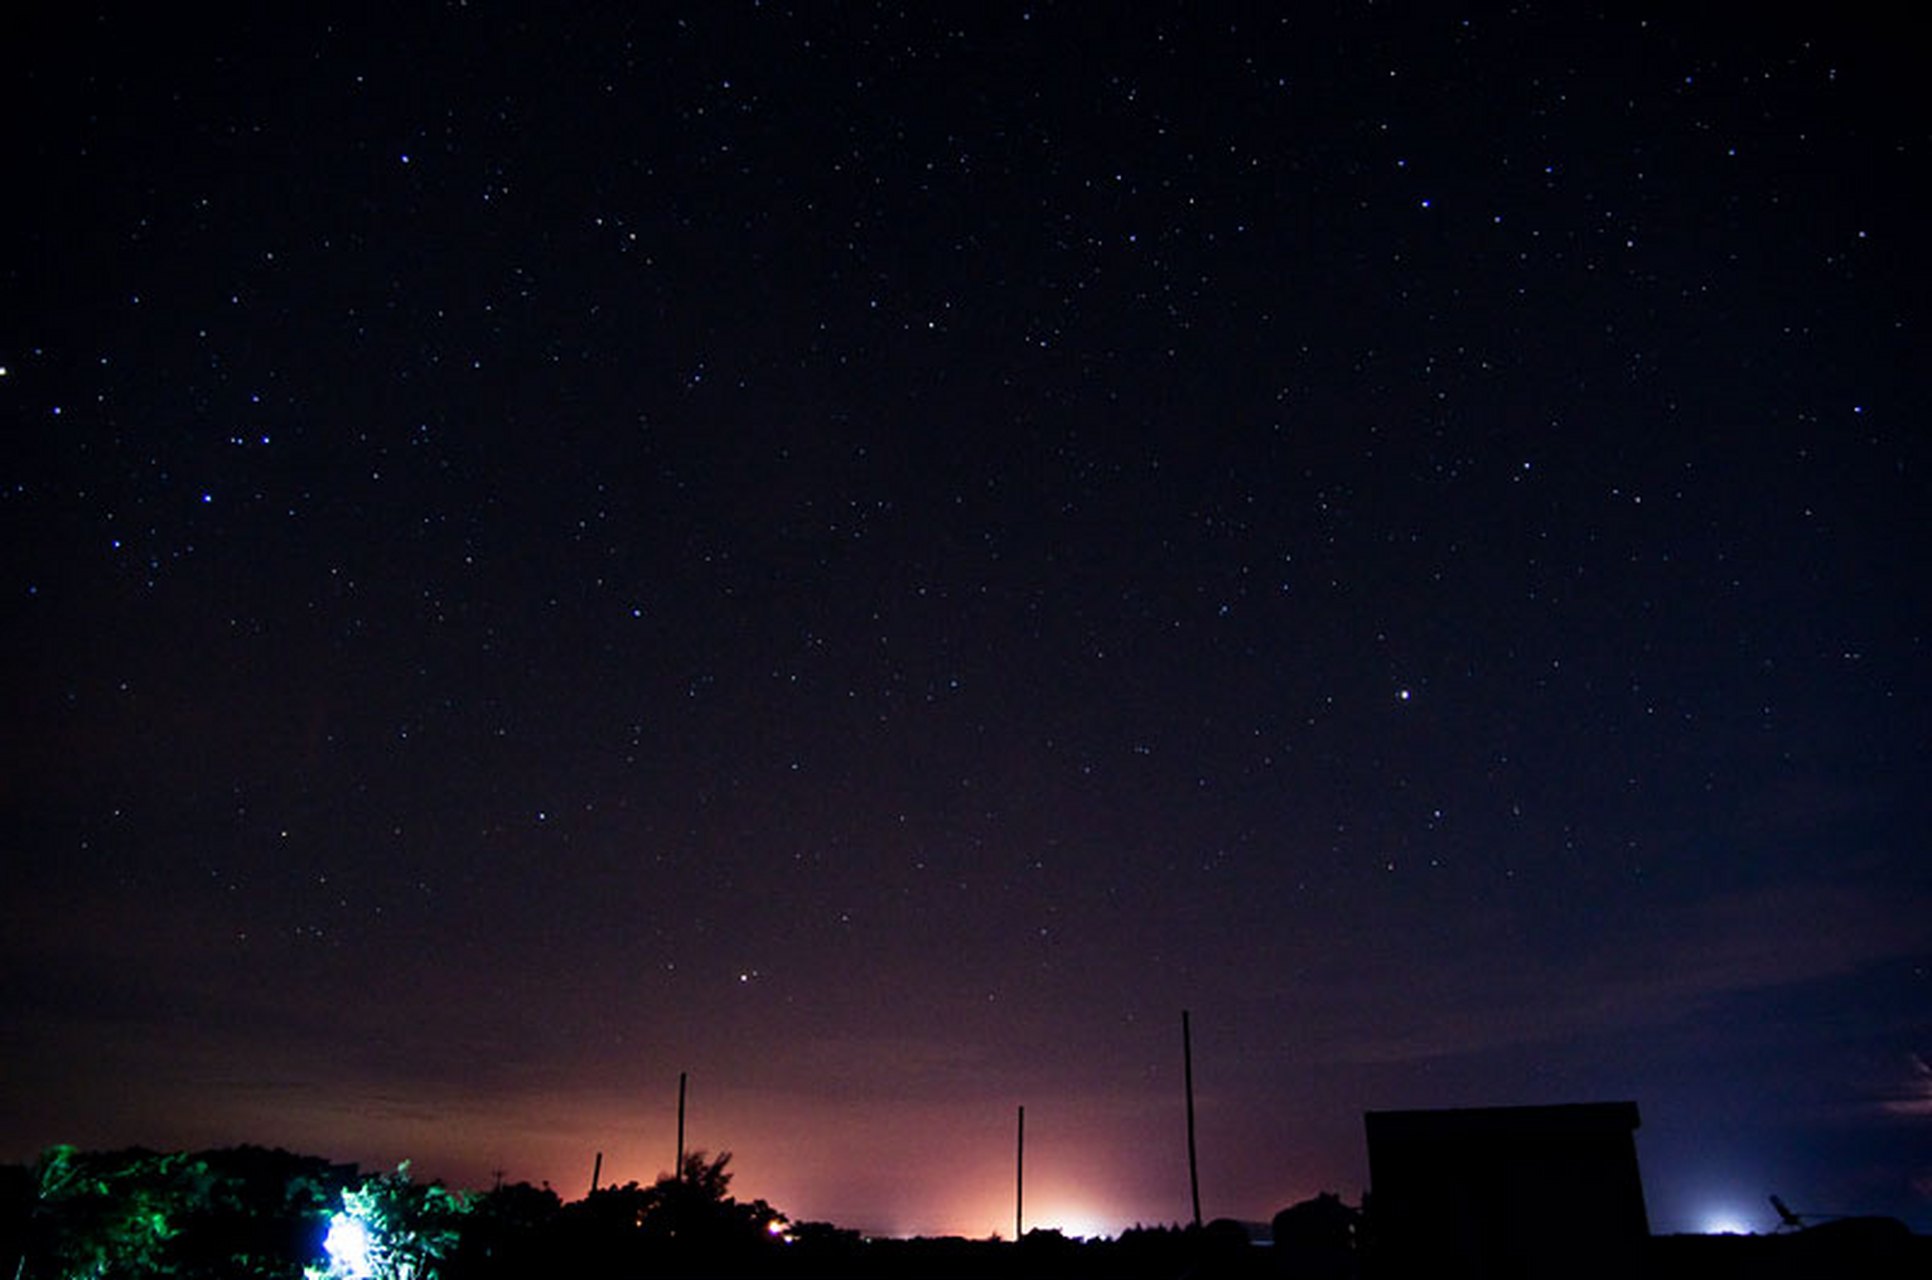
(348, 1246)
(1723, 1222)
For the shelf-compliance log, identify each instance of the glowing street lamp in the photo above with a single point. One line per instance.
(347, 1245)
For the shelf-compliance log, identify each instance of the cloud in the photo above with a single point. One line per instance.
(1913, 1096)
(1660, 969)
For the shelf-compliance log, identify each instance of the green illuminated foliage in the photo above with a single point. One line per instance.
(111, 1214)
(240, 1214)
(391, 1228)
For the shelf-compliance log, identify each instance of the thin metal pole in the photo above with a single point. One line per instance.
(597, 1171)
(1187, 1069)
(677, 1170)
(1019, 1180)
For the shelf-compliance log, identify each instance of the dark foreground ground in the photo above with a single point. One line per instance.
(1812, 1256)
(1821, 1254)
(1882, 1254)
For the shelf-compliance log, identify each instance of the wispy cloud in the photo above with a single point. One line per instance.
(1664, 967)
(1913, 1095)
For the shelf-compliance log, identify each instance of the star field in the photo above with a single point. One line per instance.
(877, 555)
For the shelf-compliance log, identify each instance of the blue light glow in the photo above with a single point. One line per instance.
(348, 1247)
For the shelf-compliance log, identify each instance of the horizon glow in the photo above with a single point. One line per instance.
(1724, 1222)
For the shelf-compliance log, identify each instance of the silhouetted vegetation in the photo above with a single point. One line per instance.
(242, 1212)
(248, 1213)
(1317, 1239)
(255, 1214)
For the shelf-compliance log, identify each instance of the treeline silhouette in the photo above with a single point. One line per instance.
(255, 1213)
(251, 1213)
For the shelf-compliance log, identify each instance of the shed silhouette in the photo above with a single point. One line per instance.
(1505, 1191)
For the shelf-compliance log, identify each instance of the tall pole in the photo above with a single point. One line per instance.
(1019, 1180)
(1187, 1070)
(597, 1171)
(677, 1170)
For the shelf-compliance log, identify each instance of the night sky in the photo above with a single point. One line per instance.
(875, 555)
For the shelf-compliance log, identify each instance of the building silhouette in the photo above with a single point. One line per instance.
(1517, 1192)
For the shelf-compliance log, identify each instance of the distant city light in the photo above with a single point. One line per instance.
(1075, 1221)
(1723, 1222)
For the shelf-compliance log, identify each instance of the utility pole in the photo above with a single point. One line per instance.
(1187, 1070)
(677, 1170)
(1019, 1180)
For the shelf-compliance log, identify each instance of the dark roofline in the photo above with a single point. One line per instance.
(1594, 1119)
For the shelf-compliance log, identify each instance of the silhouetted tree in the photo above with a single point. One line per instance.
(400, 1229)
(1315, 1239)
(107, 1213)
(511, 1231)
(599, 1234)
(258, 1214)
(16, 1210)
(695, 1209)
(245, 1213)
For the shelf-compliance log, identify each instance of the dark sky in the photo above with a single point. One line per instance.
(876, 555)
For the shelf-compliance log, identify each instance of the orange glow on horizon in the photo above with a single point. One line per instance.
(895, 1168)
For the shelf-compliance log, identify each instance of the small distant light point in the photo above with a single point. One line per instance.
(1402, 695)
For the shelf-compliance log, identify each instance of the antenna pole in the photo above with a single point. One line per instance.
(677, 1170)
(1187, 1070)
(1019, 1180)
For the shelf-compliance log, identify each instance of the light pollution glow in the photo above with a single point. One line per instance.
(900, 1168)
